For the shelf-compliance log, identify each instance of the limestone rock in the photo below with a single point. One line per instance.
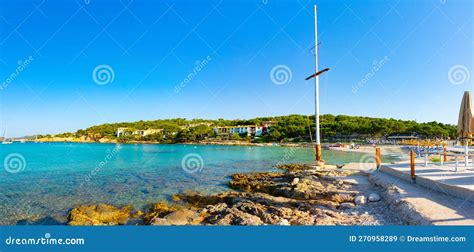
(102, 214)
(158, 210)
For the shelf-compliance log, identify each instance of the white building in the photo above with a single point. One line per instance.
(248, 130)
(126, 131)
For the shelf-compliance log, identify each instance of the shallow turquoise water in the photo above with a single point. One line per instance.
(42, 181)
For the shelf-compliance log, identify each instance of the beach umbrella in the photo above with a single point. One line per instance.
(465, 122)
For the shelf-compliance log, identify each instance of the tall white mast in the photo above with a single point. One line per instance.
(316, 84)
(317, 146)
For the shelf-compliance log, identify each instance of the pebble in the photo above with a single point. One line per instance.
(373, 197)
(295, 181)
(360, 200)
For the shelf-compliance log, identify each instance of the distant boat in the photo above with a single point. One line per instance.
(5, 140)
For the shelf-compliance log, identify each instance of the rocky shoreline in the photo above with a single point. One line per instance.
(298, 195)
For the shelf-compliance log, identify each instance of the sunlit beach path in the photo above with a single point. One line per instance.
(429, 201)
(443, 178)
(424, 206)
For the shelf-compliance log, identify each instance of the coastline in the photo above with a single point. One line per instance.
(390, 149)
(296, 195)
(225, 143)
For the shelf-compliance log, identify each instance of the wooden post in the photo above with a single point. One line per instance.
(445, 156)
(318, 152)
(377, 157)
(412, 165)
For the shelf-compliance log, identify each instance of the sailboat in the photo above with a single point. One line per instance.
(5, 140)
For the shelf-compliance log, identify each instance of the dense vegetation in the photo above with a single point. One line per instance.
(294, 128)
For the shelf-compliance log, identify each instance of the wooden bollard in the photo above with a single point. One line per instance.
(412, 165)
(317, 149)
(445, 156)
(377, 157)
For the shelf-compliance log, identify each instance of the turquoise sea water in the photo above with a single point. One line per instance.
(40, 182)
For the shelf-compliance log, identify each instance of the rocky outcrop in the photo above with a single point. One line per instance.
(103, 214)
(298, 195)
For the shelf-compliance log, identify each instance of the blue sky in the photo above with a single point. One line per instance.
(400, 59)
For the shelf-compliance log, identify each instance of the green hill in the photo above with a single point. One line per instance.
(294, 128)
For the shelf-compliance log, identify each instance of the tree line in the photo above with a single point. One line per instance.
(291, 128)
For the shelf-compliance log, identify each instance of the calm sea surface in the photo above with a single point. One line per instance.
(40, 182)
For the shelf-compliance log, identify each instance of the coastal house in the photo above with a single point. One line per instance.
(126, 132)
(247, 130)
